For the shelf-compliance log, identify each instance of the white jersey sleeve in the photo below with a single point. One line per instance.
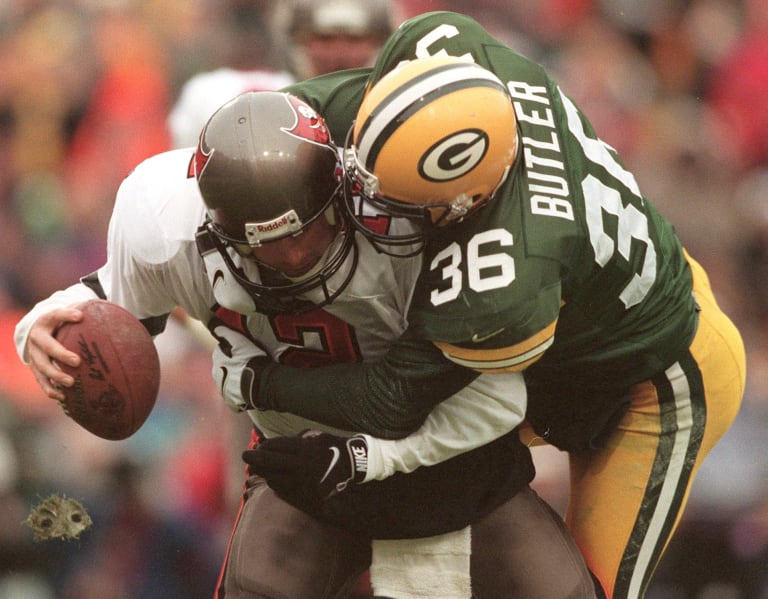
(205, 92)
(488, 408)
(152, 262)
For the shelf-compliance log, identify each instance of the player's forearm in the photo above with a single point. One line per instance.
(350, 397)
(489, 407)
(390, 398)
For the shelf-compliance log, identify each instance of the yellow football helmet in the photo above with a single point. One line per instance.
(432, 140)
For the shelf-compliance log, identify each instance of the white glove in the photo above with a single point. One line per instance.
(237, 362)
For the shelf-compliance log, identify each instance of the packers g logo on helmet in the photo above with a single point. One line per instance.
(435, 131)
(454, 156)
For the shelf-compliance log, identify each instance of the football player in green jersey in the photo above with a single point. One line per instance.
(541, 255)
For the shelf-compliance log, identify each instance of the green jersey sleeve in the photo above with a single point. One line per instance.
(389, 398)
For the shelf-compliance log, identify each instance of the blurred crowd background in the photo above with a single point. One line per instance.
(679, 87)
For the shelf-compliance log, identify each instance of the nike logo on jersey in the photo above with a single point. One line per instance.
(218, 275)
(335, 453)
(479, 339)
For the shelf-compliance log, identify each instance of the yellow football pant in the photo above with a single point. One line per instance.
(626, 500)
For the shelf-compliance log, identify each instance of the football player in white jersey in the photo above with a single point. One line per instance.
(244, 232)
(316, 36)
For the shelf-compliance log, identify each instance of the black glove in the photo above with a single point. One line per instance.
(308, 469)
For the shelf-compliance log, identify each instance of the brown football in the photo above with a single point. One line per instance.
(118, 378)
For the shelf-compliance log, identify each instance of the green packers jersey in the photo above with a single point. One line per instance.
(569, 272)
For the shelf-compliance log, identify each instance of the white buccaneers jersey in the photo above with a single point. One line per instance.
(153, 266)
(205, 92)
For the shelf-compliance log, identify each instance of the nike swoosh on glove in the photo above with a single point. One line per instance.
(308, 469)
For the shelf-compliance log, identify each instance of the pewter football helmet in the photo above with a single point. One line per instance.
(267, 169)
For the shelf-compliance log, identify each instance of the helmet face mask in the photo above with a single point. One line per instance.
(362, 200)
(432, 141)
(267, 171)
(274, 292)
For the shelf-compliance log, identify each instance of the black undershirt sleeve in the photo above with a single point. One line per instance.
(389, 398)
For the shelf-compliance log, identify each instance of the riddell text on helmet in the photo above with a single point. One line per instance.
(264, 231)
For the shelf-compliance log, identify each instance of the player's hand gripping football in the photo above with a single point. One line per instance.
(43, 351)
(308, 469)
